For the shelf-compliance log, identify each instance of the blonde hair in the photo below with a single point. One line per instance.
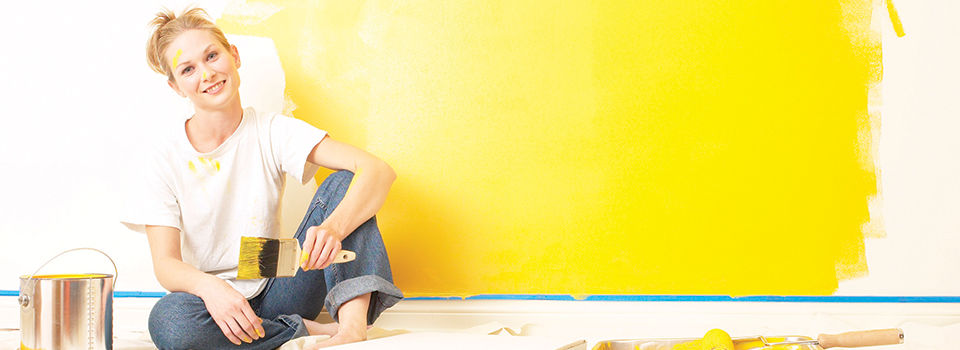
(167, 26)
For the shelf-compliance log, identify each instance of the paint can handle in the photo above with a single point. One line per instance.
(24, 299)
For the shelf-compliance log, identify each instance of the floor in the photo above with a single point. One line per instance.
(926, 326)
(130, 324)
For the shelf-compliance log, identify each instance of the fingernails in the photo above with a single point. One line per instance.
(260, 333)
(247, 339)
(303, 259)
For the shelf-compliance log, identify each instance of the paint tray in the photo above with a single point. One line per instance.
(740, 343)
(855, 339)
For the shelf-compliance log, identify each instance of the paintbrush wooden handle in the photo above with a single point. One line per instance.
(861, 338)
(344, 256)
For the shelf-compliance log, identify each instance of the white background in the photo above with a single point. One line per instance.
(78, 100)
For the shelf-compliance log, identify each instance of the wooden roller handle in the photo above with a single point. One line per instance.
(861, 338)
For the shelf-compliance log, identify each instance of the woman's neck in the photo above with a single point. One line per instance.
(207, 129)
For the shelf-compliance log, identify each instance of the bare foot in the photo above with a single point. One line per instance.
(344, 336)
(317, 328)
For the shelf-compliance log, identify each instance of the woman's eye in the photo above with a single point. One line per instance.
(211, 55)
(186, 70)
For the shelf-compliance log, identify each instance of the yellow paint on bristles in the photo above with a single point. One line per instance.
(248, 266)
(895, 18)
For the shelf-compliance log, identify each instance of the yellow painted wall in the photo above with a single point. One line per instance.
(588, 147)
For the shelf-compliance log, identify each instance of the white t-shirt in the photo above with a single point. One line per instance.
(214, 198)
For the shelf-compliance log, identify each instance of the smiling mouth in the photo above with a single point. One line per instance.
(215, 88)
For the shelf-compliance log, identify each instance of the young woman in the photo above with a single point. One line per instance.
(219, 176)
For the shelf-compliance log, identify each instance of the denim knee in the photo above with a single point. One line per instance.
(174, 321)
(337, 182)
(340, 176)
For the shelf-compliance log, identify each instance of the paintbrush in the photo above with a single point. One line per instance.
(270, 257)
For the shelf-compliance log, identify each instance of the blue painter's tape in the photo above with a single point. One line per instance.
(520, 297)
(434, 298)
(119, 294)
(779, 299)
(647, 298)
(137, 294)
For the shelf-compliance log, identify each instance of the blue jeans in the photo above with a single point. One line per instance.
(181, 321)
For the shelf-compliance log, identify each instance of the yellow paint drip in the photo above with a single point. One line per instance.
(895, 19)
(615, 147)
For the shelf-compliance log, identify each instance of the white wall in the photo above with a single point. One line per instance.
(919, 155)
(79, 98)
(81, 101)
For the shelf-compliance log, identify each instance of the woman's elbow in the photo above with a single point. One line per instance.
(388, 172)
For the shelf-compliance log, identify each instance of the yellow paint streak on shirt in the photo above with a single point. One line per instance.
(616, 147)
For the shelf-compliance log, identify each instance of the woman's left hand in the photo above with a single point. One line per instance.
(320, 247)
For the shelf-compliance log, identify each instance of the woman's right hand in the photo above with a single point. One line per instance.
(231, 311)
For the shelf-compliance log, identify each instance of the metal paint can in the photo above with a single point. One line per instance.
(67, 312)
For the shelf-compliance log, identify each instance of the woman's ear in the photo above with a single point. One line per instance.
(236, 54)
(175, 88)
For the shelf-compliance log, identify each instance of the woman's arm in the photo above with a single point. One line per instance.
(172, 273)
(368, 191)
(229, 308)
(366, 195)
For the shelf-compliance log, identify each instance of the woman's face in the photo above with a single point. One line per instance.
(203, 70)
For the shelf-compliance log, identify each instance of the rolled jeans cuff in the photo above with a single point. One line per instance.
(383, 295)
(296, 322)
